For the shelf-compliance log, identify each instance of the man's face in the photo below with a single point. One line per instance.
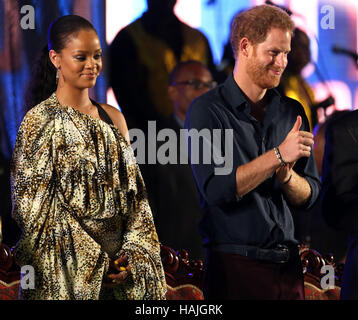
(267, 60)
(192, 81)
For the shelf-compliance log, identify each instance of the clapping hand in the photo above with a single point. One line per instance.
(296, 145)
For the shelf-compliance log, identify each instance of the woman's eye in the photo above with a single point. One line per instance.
(98, 56)
(81, 58)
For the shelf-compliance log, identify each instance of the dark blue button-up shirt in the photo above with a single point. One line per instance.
(261, 218)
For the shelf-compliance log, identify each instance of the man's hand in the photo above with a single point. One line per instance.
(283, 174)
(296, 145)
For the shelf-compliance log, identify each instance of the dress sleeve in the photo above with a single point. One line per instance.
(31, 175)
(140, 243)
(52, 241)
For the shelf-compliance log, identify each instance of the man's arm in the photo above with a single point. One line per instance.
(297, 144)
(253, 173)
(296, 190)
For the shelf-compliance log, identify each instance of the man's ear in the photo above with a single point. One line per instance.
(55, 58)
(244, 46)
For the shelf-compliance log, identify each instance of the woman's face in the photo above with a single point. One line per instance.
(80, 61)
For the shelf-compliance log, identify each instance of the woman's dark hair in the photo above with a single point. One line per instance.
(43, 81)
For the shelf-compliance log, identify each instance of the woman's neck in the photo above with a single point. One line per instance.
(75, 98)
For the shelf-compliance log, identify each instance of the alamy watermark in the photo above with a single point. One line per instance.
(328, 280)
(328, 20)
(28, 19)
(27, 280)
(205, 147)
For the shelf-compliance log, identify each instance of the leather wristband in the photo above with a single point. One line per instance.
(278, 155)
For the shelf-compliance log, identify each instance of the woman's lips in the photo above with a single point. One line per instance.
(89, 75)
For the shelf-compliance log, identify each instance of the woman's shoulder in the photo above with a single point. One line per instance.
(36, 127)
(117, 118)
(115, 114)
(40, 112)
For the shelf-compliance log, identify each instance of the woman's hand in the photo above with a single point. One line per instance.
(119, 271)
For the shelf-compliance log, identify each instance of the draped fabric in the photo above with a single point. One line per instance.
(79, 198)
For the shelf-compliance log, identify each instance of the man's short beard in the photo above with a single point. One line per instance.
(259, 74)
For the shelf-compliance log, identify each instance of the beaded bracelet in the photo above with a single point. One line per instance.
(278, 155)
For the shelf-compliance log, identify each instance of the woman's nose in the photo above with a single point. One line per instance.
(90, 63)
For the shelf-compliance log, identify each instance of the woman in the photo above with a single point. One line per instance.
(78, 195)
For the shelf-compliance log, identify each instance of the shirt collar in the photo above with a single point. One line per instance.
(236, 97)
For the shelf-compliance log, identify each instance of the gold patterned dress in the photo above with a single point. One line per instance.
(80, 200)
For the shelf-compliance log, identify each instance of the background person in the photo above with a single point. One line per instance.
(171, 188)
(293, 84)
(143, 54)
(339, 192)
(323, 237)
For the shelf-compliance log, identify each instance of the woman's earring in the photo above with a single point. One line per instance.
(57, 76)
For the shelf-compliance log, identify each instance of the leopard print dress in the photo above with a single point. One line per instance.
(80, 200)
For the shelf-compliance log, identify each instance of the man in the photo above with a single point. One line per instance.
(293, 84)
(171, 187)
(340, 191)
(247, 223)
(143, 54)
(324, 238)
(187, 81)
